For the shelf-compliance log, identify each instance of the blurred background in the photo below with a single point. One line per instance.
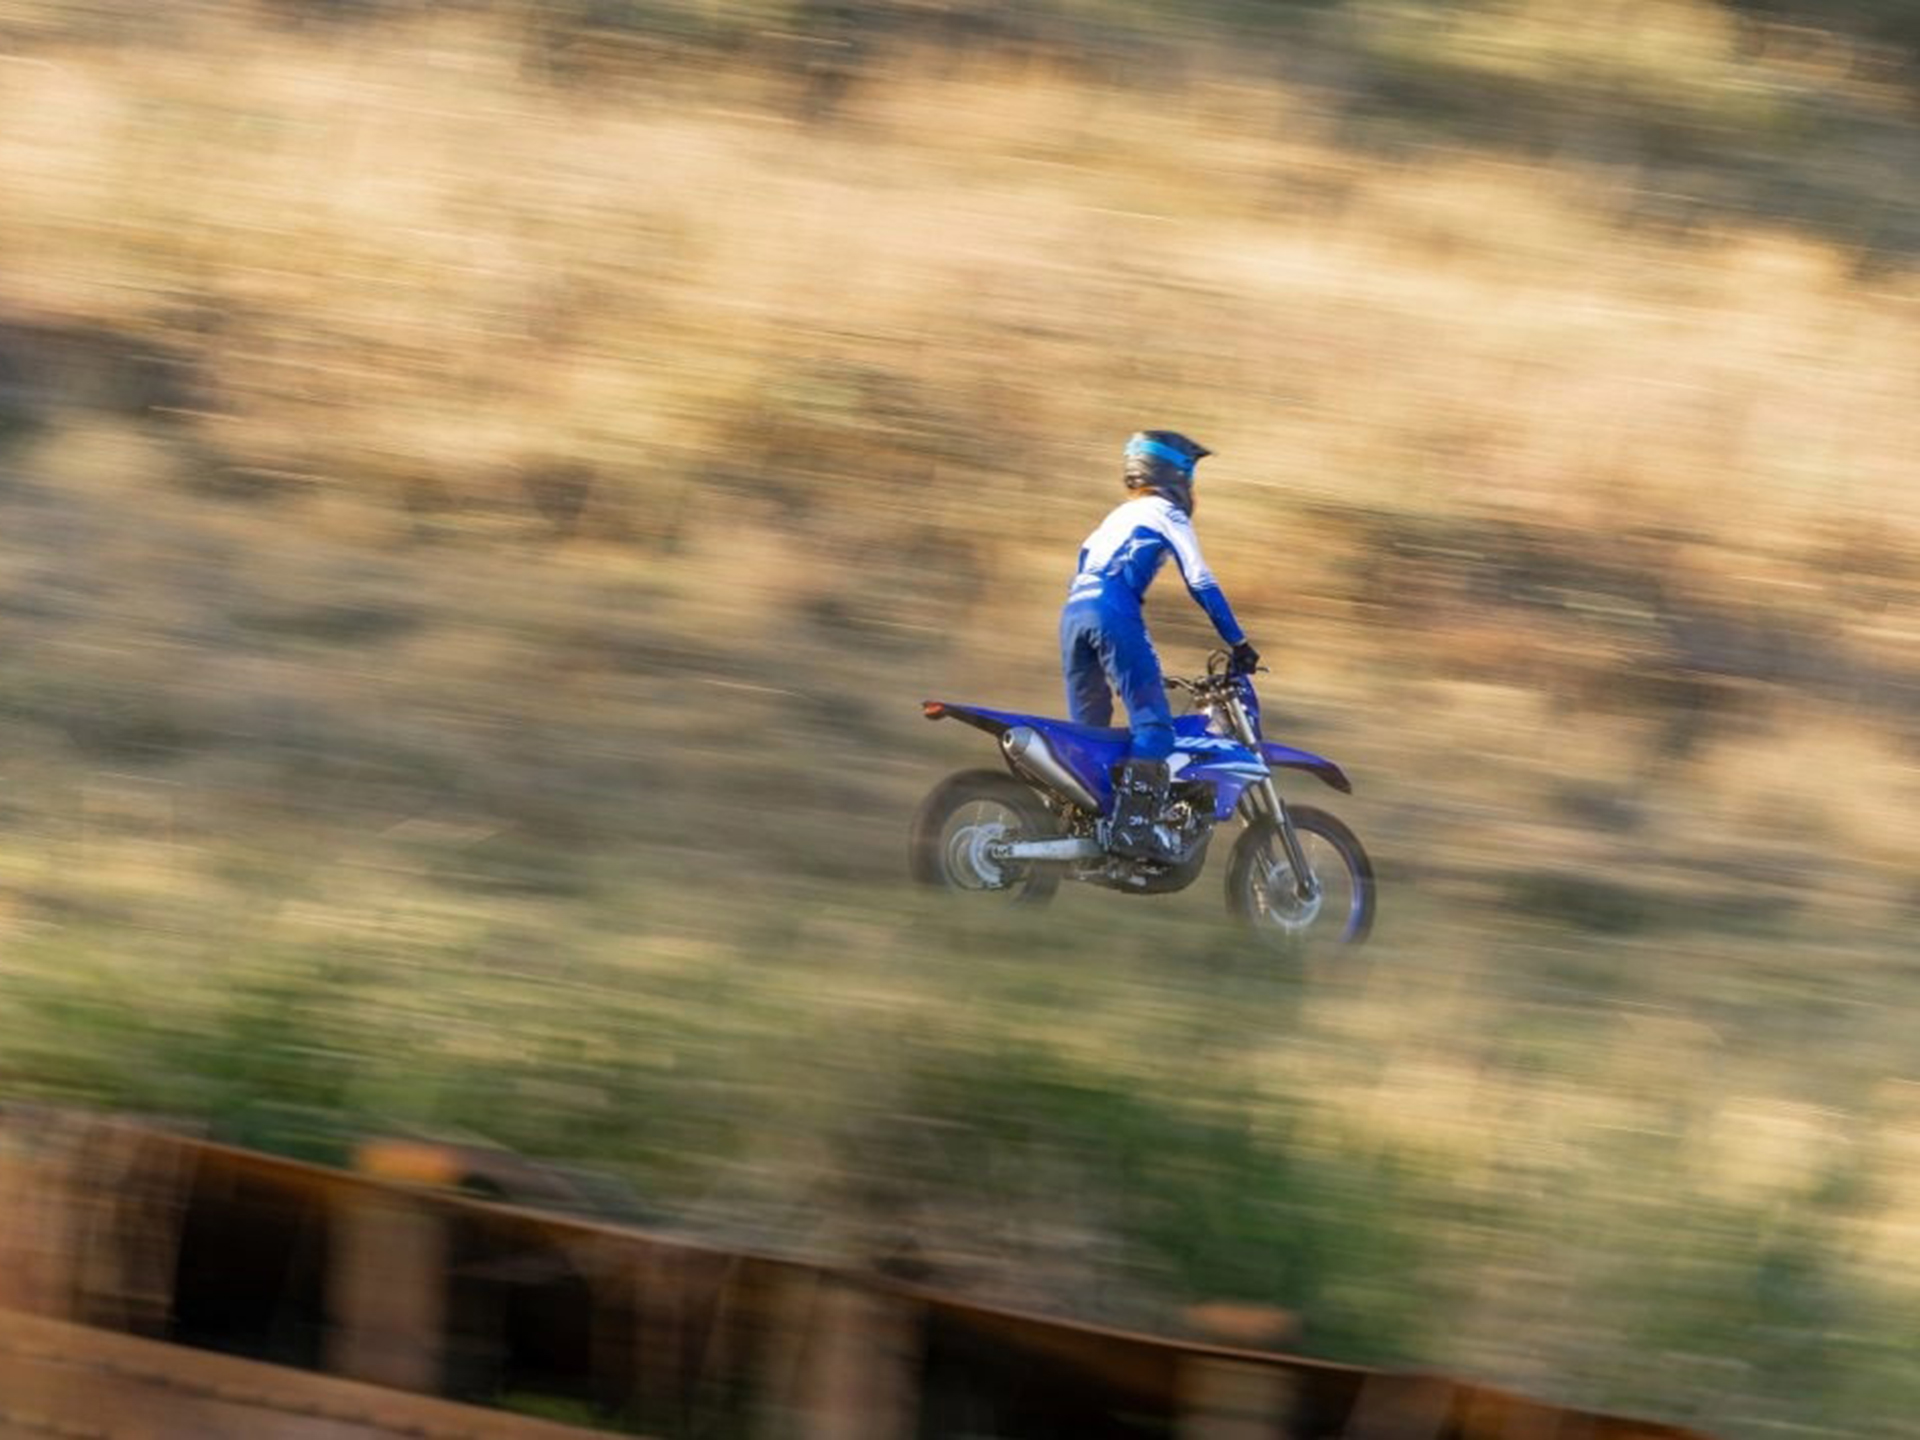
(485, 486)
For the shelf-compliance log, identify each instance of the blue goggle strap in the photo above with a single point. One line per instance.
(1162, 452)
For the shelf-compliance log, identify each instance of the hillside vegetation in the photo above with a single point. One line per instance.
(485, 486)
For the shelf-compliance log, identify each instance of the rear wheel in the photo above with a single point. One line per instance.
(958, 826)
(1262, 892)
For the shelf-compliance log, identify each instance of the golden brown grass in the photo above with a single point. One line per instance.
(849, 395)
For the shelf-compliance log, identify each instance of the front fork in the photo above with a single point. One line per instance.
(1261, 801)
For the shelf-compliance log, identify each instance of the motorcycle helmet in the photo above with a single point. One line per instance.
(1163, 461)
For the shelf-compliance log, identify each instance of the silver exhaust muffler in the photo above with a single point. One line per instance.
(1026, 749)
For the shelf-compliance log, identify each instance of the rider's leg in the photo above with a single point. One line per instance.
(1089, 700)
(1140, 793)
(1136, 675)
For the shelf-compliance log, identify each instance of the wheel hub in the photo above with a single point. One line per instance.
(1280, 898)
(970, 853)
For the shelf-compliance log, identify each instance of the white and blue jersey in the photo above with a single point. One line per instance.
(1125, 552)
(1103, 635)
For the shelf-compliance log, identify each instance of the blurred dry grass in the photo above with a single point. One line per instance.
(481, 495)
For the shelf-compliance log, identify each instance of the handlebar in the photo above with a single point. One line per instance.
(1215, 684)
(1224, 690)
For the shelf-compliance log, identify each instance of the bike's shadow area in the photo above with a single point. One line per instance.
(1174, 956)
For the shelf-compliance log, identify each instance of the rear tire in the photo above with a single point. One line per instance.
(1260, 883)
(967, 812)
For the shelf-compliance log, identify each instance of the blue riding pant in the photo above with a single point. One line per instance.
(1104, 647)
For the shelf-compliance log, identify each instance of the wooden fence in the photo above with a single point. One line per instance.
(155, 1285)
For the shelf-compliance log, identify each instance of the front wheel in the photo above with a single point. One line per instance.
(1261, 889)
(961, 823)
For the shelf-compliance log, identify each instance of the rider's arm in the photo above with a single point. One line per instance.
(1200, 582)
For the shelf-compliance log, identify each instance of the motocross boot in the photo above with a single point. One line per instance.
(1139, 795)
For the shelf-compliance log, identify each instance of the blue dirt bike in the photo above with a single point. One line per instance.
(1296, 873)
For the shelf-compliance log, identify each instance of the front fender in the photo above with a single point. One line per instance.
(1285, 757)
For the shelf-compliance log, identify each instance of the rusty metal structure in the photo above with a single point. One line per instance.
(155, 1286)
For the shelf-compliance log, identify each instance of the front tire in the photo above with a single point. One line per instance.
(965, 815)
(1260, 888)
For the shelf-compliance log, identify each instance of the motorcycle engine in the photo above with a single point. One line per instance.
(1185, 824)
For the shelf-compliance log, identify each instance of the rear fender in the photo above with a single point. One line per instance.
(994, 722)
(1087, 753)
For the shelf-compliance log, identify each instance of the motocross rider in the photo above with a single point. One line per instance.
(1103, 634)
